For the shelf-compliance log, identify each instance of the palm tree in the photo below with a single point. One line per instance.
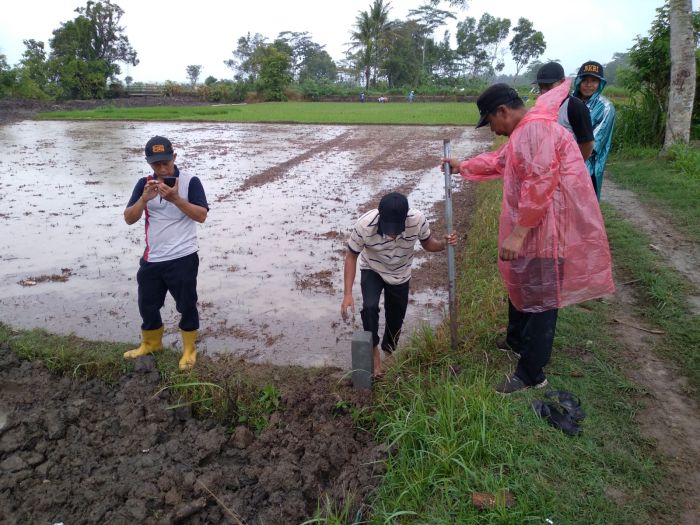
(371, 38)
(381, 31)
(362, 40)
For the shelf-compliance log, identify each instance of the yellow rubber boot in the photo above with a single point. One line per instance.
(189, 352)
(152, 342)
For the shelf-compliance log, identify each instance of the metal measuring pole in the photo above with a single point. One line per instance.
(450, 248)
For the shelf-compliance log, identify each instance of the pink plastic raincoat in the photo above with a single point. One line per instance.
(565, 258)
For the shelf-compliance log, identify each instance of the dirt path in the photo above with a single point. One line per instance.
(680, 252)
(670, 417)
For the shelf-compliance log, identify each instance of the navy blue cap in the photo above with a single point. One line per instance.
(393, 210)
(157, 149)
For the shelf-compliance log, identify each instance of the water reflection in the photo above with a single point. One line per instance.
(271, 252)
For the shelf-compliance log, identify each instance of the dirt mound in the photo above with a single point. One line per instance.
(89, 452)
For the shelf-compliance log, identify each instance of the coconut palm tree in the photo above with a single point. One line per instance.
(381, 33)
(371, 38)
(364, 43)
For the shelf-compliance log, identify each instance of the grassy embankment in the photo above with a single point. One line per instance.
(452, 435)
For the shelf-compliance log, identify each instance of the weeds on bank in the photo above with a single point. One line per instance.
(67, 355)
(451, 435)
(232, 400)
(662, 297)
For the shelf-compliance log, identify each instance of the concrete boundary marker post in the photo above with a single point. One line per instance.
(362, 362)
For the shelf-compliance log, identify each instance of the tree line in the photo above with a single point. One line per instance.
(84, 57)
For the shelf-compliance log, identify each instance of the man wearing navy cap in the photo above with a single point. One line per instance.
(173, 203)
(384, 240)
(573, 113)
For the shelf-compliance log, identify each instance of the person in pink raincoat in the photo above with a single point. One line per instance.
(552, 246)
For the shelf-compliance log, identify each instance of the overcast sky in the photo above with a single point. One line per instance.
(170, 35)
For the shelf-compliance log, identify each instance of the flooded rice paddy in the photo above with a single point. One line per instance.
(282, 200)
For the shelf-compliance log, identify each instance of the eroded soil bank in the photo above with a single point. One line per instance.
(83, 452)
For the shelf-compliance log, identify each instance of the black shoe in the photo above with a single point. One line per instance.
(550, 413)
(515, 384)
(502, 344)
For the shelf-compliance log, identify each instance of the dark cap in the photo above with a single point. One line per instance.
(592, 69)
(550, 73)
(157, 149)
(493, 97)
(393, 210)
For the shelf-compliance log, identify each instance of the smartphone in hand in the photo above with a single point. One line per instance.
(170, 181)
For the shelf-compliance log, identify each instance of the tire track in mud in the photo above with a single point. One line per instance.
(391, 156)
(277, 172)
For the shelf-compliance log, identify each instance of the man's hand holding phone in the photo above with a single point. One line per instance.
(168, 188)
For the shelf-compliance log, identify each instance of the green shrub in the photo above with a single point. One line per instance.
(26, 88)
(115, 90)
(639, 123)
(685, 159)
(225, 91)
(172, 89)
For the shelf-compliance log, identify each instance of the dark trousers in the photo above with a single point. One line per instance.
(179, 277)
(395, 303)
(531, 335)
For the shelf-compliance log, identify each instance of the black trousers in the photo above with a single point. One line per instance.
(179, 277)
(531, 335)
(395, 304)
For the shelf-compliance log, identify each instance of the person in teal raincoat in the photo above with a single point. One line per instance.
(588, 86)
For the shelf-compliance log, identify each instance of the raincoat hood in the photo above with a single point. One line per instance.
(547, 105)
(594, 96)
(565, 258)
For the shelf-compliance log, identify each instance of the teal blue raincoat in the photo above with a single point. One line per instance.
(603, 118)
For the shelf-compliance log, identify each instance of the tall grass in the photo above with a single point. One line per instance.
(638, 123)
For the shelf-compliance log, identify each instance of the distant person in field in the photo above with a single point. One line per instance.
(588, 86)
(573, 113)
(552, 246)
(173, 202)
(384, 240)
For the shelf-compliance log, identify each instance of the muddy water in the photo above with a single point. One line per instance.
(282, 201)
